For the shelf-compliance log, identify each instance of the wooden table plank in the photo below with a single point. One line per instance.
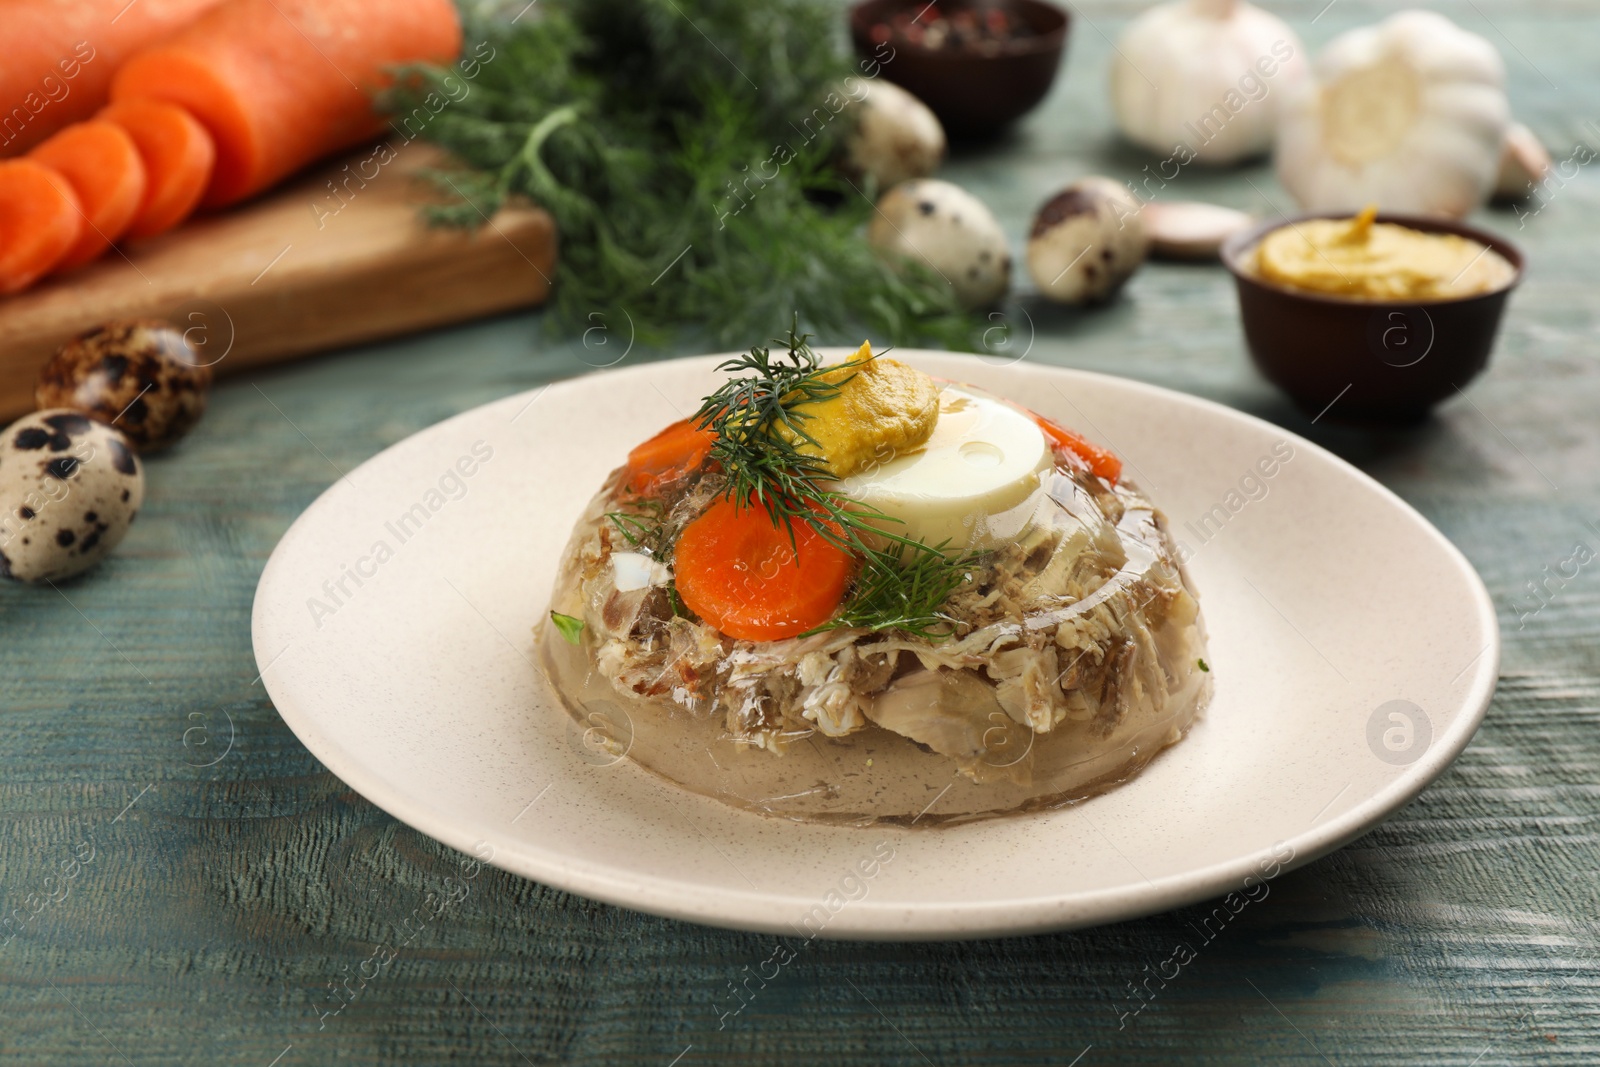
(222, 903)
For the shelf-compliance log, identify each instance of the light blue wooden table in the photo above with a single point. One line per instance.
(190, 890)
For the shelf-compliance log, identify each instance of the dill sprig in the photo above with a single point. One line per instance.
(641, 527)
(903, 589)
(758, 418)
(688, 150)
(759, 429)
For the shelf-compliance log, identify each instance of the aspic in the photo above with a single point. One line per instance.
(837, 587)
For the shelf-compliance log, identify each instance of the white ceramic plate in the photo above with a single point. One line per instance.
(1354, 651)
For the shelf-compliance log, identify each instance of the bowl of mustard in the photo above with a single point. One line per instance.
(1373, 318)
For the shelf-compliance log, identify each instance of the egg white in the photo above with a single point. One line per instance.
(973, 483)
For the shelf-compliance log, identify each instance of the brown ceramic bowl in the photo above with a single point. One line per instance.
(974, 94)
(1367, 361)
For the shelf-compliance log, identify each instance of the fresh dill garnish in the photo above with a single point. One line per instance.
(689, 152)
(645, 529)
(758, 418)
(642, 527)
(570, 628)
(1203, 665)
(760, 430)
(903, 590)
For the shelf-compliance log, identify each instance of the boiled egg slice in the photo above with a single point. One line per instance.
(973, 483)
(632, 571)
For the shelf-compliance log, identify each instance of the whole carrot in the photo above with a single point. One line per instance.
(59, 56)
(281, 83)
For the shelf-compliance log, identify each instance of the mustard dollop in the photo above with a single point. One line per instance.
(1364, 259)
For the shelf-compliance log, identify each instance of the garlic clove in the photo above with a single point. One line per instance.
(1190, 230)
(1524, 164)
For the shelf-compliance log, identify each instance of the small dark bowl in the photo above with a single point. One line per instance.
(974, 95)
(1367, 361)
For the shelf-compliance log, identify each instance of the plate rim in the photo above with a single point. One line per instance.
(872, 920)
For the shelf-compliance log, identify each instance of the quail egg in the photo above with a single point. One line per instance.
(948, 230)
(69, 489)
(141, 376)
(897, 138)
(1086, 241)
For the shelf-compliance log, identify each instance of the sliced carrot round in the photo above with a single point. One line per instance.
(1102, 464)
(39, 222)
(740, 573)
(187, 81)
(672, 453)
(178, 156)
(100, 162)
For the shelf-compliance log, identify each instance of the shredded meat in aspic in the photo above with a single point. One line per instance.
(1085, 618)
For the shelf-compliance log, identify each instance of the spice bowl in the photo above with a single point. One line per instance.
(978, 66)
(1367, 361)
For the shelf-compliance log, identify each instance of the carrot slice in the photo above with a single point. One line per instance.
(1102, 463)
(739, 572)
(39, 222)
(670, 454)
(59, 56)
(178, 156)
(100, 162)
(280, 83)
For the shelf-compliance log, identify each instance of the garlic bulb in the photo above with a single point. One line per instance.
(1206, 77)
(897, 137)
(1409, 114)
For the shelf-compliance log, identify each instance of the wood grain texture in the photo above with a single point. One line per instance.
(221, 905)
(338, 257)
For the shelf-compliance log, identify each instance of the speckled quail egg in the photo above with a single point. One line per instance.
(1086, 241)
(897, 137)
(141, 376)
(69, 489)
(949, 230)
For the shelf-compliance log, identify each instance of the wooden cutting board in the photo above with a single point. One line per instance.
(303, 270)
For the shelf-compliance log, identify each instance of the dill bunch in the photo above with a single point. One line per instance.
(687, 150)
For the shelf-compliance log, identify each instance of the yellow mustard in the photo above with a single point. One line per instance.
(1368, 260)
(883, 409)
